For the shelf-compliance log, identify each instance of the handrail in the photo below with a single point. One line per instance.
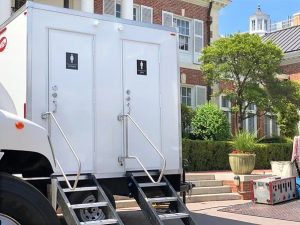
(44, 116)
(151, 143)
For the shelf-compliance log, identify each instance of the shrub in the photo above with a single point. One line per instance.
(210, 123)
(187, 113)
(213, 155)
(276, 140)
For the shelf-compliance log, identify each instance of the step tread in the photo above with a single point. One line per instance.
(78, 189)
(213, 197)
(89, 205)
(100, 222)
(189, 177)
(152, 184)
(162, 199)
(173, 216)
(208, 183)
(211, 190)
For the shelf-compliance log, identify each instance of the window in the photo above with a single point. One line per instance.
(225, 106)
(270, 126)
(186, 96)
(167, 19)
(259, 24)
(183, 27)
(253, 25)
(136, 13)
(146, 14)
(109, 7)
(266, 25)
(118, 10)
(250, 124)
(193, 95)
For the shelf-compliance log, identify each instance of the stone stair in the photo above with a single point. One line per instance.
(207, 188)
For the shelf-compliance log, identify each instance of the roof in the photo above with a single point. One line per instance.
(259, 13)
(288, 39)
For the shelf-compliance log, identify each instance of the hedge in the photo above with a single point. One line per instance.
(213, 155)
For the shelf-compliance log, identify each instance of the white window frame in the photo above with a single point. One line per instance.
(138, 12)
(254, 111)
(272, 120)
(162, 16)
(146, 7)
(192, 94)
(226, 109)
(190, 46)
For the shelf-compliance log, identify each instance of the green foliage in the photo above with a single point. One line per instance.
(276, 140)
(187, 113)
(249, 64)
(210, 123)
(213, 155)
(244, 142)
(287, 120)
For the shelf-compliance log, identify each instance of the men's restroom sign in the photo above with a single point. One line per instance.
(142, 67)
(71, 61)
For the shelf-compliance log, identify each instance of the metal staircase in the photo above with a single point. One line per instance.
(101, 211)
(159, 200)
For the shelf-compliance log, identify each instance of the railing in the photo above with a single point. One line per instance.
(45, 116)
(125, 119)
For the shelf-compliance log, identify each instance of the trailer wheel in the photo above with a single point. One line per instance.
(21, 203)
(90, 214)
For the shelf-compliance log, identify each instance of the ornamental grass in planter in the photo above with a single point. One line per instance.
(242, 158)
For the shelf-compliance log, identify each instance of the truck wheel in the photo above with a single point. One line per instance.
(23, 204)
(90, 214)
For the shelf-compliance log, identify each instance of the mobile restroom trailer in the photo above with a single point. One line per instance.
(97, 104)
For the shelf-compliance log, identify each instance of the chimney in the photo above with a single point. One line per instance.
(296, 19)
(127, 9)
(5, 10)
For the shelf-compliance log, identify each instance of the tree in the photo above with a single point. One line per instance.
(250, 66)
(210, 123)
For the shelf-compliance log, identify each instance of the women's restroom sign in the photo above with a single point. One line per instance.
(142, 67)
(71, 61)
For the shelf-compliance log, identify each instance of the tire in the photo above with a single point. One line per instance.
(23, 204)
(85, 215)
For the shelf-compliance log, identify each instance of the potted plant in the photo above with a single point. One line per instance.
(242, 158)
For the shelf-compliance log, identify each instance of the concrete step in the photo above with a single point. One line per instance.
(208, 183)
(196, 177)
(211, 190)
(213, 197)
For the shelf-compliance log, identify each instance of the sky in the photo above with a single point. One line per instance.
(235, 16)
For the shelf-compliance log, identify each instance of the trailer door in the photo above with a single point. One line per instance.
(141, 89)
(71, 97)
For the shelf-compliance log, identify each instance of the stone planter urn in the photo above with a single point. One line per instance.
(242, 164)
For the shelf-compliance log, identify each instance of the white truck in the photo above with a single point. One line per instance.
(89, 108)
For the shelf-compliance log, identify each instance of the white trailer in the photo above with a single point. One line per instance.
(90, 109)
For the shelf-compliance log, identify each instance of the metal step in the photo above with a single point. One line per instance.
(100, 222)
(163, 199)
(142, 173)
(80, 189)
(142, 185)
(89, 205)
(173, 216)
